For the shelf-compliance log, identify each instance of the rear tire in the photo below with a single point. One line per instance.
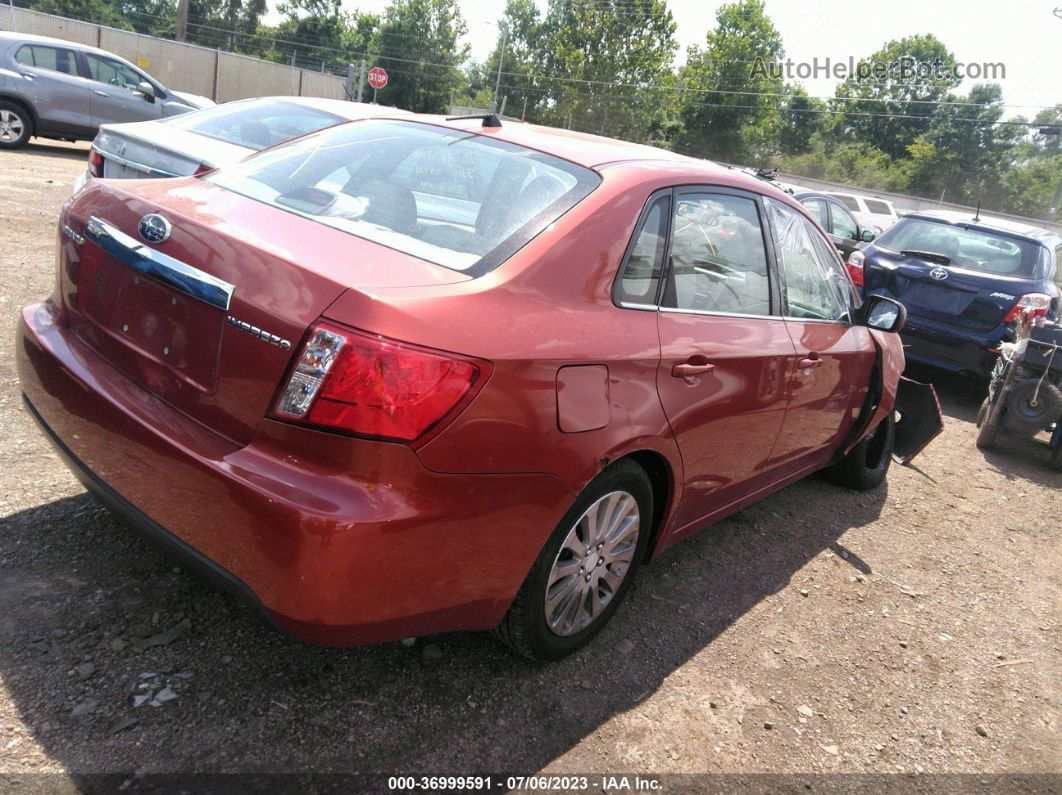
(567, 568)
(866, 466)
(16, 125)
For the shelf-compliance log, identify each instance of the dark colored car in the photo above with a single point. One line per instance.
(841, 226)
(963, 281)
(406, 376)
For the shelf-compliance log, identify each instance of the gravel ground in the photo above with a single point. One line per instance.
(914, 629)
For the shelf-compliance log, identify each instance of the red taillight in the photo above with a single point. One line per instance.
(1033, 304)
(372, 386)
(855, 266)
(95, 162)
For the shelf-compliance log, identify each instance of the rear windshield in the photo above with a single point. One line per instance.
(972, 249)
(257, 124)
(453, 198)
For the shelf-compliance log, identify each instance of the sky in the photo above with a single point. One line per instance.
(1023, 35)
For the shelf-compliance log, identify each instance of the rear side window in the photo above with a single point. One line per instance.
(55, 59)
(972, 249)
(848, 201)
(816, 286)
(718, 259)
(640, 277)
(877, 207)
(255, 125)
(454, 198)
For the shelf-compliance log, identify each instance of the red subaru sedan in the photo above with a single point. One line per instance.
(414, 375)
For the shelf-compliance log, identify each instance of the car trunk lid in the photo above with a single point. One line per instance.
(155, 149)
(942, 291)
(209, 317)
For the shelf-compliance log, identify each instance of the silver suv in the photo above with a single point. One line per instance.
(52, 88)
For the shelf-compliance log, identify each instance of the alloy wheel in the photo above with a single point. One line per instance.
(11, 126)
(592, 563)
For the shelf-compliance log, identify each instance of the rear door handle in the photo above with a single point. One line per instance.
(99, 93)
(688, 369)
(811, 360)
(28, 76)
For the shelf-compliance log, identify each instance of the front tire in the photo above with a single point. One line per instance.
(16, 125)
(866, 466)
(988, 425)
(586, 568)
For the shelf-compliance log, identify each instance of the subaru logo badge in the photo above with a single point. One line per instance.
(937, 273)
(154, 228)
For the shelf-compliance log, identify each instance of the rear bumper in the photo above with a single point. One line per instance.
(951, 348)
(336, 540)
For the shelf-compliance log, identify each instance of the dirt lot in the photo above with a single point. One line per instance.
(916, 628)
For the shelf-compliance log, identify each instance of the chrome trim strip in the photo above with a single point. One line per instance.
(719, 314)
(172, 272)
(152, 172)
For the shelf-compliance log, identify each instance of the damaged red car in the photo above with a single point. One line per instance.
(414, 375)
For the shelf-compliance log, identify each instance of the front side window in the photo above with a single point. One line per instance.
(816, 287)
(972, 249)
(454, 198)
(844, 225)
(55, 59)
(256, 124)
(718, 259)
(113, 73)
(640, 276)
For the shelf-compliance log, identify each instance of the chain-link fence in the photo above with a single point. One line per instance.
(222, 76)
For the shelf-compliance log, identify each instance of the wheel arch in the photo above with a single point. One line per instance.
(662, 480)
(18, 99)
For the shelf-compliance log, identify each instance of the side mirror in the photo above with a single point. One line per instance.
(147, 90)
(867, 235)
(883, 314)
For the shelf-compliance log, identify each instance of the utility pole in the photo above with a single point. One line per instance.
(361, 78)
(182, 20)
(501, 60)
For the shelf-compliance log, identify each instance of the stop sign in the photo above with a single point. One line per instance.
(377, 77)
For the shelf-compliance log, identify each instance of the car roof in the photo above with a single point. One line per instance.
(32, 38)
(1037, 233)
(800, 195)
(340, 107)
(585, 149)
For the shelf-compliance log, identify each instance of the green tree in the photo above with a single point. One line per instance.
(732, 86)
(101, 11)
(521, 32)
(419, 42)
(605, 66)
(970, 150)
(801, 119)
(890, 100)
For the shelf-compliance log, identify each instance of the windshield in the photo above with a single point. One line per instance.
(453, 198)
(257, 124)
(973, 249)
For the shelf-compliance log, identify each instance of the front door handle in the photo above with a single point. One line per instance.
(691, 369)
(811, 360)
(28, 75)
(99, 93)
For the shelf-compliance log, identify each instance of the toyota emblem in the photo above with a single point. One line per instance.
(154, 228)
(939, 273)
